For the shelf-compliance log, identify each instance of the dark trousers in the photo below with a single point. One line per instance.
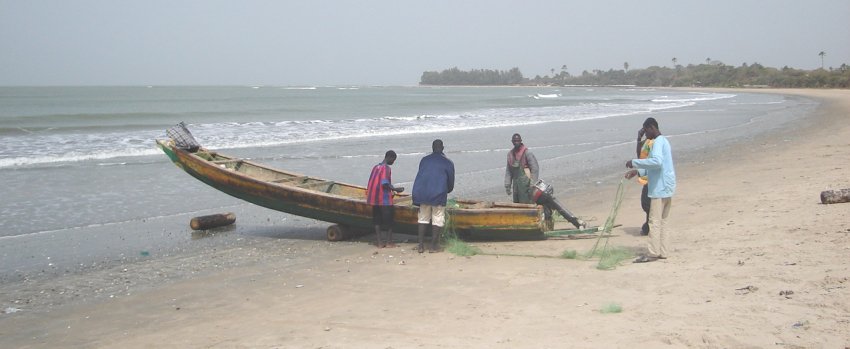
(644, 204)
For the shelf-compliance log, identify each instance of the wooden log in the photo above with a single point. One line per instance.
(836, 196)
(212, 221)
(337, 232)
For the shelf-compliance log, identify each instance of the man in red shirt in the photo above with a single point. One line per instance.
(379, 194)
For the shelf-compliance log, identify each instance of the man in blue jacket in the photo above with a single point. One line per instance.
(658, 168)
(431, 188)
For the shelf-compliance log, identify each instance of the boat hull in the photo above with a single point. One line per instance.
(345, 204)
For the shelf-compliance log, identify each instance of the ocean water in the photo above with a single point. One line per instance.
(79, 160)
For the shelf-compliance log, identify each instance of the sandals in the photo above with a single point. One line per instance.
(645, 259)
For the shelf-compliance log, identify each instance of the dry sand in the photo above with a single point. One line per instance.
(757, 262)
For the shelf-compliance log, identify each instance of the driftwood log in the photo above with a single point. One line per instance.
(212, 221)
(835, 196)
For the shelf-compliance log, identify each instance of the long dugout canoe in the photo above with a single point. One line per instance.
(345, 204)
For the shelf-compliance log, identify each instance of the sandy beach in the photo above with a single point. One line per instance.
(758, 262)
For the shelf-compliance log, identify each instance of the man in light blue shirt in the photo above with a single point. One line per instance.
(658, 167)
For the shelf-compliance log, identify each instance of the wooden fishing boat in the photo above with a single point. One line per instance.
(345, 204)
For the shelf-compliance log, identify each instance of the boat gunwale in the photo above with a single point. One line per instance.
(500, 206)
(212, 164)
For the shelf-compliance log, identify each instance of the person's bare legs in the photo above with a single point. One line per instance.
(380, 243)
(390, 242)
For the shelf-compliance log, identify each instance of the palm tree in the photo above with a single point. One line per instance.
(821, 54)
(674, 61)
(707, 60)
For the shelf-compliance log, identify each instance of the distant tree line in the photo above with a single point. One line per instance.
(709, 74)
(477, 77)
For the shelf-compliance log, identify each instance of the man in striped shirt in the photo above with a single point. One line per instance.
(379, 194)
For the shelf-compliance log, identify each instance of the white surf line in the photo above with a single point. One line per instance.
(97, 225)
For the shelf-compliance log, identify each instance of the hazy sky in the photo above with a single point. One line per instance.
(391, 42)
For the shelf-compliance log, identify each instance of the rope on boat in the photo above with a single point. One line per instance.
(448, 225)
(453, 243)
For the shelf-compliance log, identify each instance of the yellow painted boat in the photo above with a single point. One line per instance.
(345, 204)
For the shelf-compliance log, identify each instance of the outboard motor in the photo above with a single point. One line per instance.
(544, 195)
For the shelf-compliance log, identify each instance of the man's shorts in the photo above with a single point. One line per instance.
(383, 216)
(435, 215)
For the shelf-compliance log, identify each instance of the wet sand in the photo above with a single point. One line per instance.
(748, 228)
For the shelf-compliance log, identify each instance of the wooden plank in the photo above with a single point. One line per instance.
(289, 180)
(224, 162)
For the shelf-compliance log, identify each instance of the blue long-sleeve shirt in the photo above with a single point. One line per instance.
(434, 181)
(658, 167)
